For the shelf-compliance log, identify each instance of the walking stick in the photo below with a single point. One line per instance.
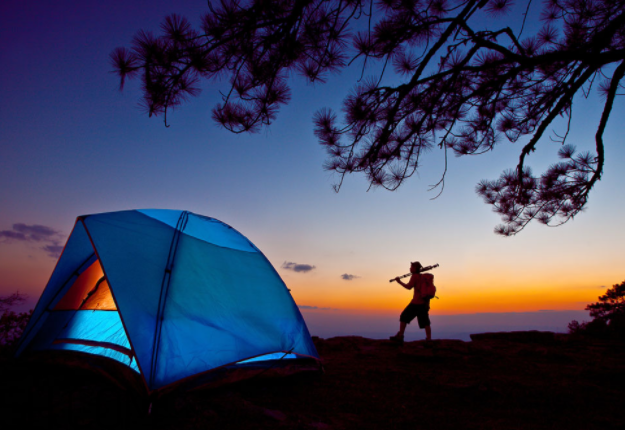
(425, 269)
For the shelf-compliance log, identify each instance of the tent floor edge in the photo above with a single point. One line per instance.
(227, 376)
(114, 372)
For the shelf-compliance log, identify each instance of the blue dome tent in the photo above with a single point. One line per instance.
(170, 294)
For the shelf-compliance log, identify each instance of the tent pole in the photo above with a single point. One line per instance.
(173, 247)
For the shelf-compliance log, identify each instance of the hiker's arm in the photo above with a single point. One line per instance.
(407, 286)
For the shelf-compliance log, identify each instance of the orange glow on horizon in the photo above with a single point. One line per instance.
(467, 298)
(462, 290)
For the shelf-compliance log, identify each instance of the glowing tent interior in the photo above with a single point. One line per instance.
(170, 294)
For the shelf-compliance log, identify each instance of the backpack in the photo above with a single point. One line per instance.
(428, 290)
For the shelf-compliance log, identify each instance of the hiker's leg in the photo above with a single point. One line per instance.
(404, 319)
(402, 328)
(428, 333)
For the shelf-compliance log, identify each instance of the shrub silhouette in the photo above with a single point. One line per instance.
(12, 324)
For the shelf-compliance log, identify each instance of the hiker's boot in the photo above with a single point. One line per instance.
(398, 339)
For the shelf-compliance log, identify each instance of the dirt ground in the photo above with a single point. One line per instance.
(526, 380)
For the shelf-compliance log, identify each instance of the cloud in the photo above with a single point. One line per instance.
(37, 233)
(9, 235)
(47, 236)
(297, 267)
(53, 251)
(348, 277)
(305, 307)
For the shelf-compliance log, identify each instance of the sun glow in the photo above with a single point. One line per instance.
(482, 294)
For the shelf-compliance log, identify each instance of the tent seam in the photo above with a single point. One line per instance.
(180, 225)
(121, 317)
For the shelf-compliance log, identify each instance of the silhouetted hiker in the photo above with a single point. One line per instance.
(418, 307)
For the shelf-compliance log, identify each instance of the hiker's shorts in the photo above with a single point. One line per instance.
(419, 311)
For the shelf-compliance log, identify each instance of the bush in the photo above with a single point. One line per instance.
(12, 325)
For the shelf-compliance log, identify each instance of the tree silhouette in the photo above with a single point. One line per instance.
(6, 302)
(611, 305)
(608, 315)
(465, 88)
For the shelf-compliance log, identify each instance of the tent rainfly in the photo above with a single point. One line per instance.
(170, 294)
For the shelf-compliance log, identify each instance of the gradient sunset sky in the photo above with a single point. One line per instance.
(72, 144)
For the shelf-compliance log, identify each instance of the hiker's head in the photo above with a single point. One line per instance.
(415, 267)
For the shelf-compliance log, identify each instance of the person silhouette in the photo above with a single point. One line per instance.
(419, 307)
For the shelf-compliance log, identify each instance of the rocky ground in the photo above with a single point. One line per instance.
(527, 380)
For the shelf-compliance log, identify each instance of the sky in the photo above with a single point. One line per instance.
(72, 144)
